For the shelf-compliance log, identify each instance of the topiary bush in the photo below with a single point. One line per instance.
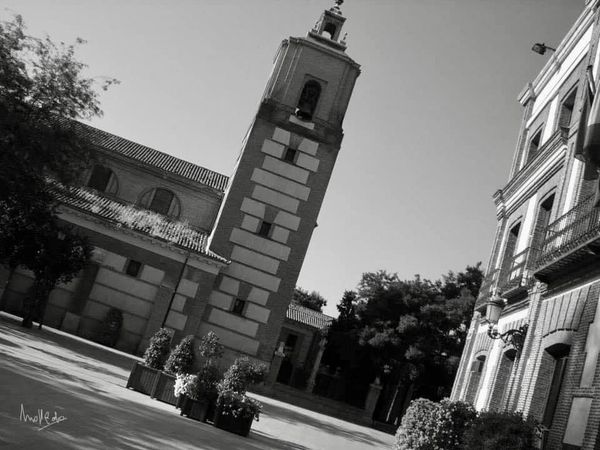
(158, 349)
(241, 374)
(419, 424)
(428, 425)
(500, 431)
(210, 348)
(181, 359)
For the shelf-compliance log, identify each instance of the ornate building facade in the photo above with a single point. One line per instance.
(181, 246)
(533, 343)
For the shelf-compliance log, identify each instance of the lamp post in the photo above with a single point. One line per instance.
(541, 48)
(514, 337)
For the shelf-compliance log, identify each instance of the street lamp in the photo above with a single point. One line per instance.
(493, 310)
(541, 48)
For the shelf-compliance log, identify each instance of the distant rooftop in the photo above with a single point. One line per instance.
(308, 316)
(137, 219)
(155, 158)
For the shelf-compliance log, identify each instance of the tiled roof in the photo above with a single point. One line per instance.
(307, 316)
(135, 218)
(154, 158)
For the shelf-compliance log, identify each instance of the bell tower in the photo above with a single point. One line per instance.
(272, 202)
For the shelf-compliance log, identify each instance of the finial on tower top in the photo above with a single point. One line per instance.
(336, 8)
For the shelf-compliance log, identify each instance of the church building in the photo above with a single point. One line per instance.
(534, 339)
(179, 246)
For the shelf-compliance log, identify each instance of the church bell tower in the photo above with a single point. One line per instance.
(273, 200)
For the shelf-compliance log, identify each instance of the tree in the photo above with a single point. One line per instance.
(415, 328)
(42, 94)
(312, 300)
(58, 255)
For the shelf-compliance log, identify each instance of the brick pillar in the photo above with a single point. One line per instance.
(372, 398)
(275, 365)
(310, 385)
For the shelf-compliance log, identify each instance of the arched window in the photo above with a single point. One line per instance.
(103, 179)
(501, 391)
(308, 100)
(473, 387)
(566, 110)
(330, 30)
(162, 201)
(534, 145)
(555, 359)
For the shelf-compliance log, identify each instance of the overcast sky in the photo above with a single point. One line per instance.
(429, 133)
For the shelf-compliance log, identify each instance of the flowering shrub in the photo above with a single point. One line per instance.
(232, 389)
(158, 349)
(427, 425)
(238, 405)
(186, 385)
(181, 359)
(456, 418)
(499, 431)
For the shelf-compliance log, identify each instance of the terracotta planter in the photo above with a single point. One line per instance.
(164, 389)
(238, 425)
(142, 379)
(194, 409)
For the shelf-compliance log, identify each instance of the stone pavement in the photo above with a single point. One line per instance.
(83, 383)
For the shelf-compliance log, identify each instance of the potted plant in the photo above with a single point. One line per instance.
(143, 377)
(180, 362)
(198, 393)
(197, 396)
(235, 410)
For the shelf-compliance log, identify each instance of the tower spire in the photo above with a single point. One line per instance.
(328, 28)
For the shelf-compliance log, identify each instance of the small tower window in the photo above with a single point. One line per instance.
(308, 100)
(238, 306)
(290, 155)
(265, 229)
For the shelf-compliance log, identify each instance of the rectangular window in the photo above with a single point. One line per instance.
(161, 202)
(555, 387)
(265, 229)
(290, 155)
(133, 268)
(238, 306)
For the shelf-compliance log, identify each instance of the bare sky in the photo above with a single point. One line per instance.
(429, 134)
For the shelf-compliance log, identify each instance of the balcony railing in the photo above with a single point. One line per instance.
(571, 240)
(516, 277)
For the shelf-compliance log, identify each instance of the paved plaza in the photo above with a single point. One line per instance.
(79, 388)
